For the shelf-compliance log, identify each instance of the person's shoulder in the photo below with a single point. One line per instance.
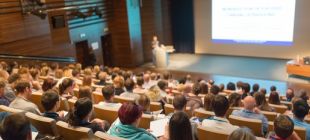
(147, 136)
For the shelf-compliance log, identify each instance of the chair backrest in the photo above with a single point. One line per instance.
(279, 108)
(106, 113)
(4, 108)
(44, 125)
(105, 136)
(231, 109)
(76, 92)
(71, 103)
(201, 113)
(169, 99)
(254, 124)
(98, 97)
(301, 132)
(288, 104)
(73, 133)
(205, 133)
(122, 100)
(64, 105)
(146, 121)
(271, 116)
(36, 99)
(155, 106)
(168, 109)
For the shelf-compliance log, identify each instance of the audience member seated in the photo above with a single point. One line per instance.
(173, 131)
(261, 102)
(289, 94)
(9, 92)
(274, 98)
(139, 86)
(3, 99)
(85, 91)
(220, 106)
(204, 88)
(154, 94)
(48, 84)
(273, 88)
(245, 90)
(207, 105)
(59, 74)
(51, 102)
(118, 83)
(193, 100)
(303, 95)
(22, 101)
(214, 90)
(127, 127)
(163, 85)
(16, 127)
(179, 103)
(239, 86)
(129, 85)
(250, 111)
(144, 102)
(242, 134)
(108, 94)
(283, 129)
(263, 90)
(231, 86)
(88, 81)
(81, 114)
(66, 88)
(76, 76)
(102, 78)
(235, 100)
(255, 89)
(300, 111)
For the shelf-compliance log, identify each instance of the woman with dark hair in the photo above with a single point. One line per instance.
(231, 86)
(204, 88)
(234, 100)
(179, 128)
(261, 102)
(274, 98)
(208, 102)
(127, 125)
(48, 84)
(66, 88)
(193, 100)
(81, 114)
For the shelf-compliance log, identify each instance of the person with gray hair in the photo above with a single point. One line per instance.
(242, 134)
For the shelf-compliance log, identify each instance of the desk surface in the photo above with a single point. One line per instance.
(294, 68)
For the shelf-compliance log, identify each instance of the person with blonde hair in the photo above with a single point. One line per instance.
(145, 102)
(118, 84)
(154, 94)
(58, 74)
(242, 134)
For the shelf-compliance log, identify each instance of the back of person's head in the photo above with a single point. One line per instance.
(13, 78)
(153, 76)
(249, 103)
(87, 80)
(59, 73)
(263, 90)
(302, 94)
(274, 98)
(144, 101)
(260, 98)
(49, 100)
(85, 91)
(242, 134)
(208, 99)
(179, 102)
(246, 87)
(102, 75)
(108, 92)
(167, 76)
(255, 87)
(2, 85)
(48, 83)
(118, 82)
(211, 82)
(54, 66)
(180, 127)
(162, 84)
(34, 73)
(222, 87)
(140, 81)
(75, 72)
(129, 84)
(220, 105)
(231, 86)
(300, 109)
(214, 89)
(283, 126)
(239, 84)
(196, 89)
(289, 93)
(129, 113)
(273, 88)
(16, 127)
(66, 83)
(234, 100)
(21, 86)
(82, 109)
(204, 87)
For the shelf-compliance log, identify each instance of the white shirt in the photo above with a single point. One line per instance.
(220, 124)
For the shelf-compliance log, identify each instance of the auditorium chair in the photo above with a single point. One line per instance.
(44, 125)
(106, 113)
(231, 109)
(307, 119)
(36, 99)
(104, 136)
(201, 113)
(73, 133)
(98, 97)
(64, 105)
(71, 103)
(279, 108)
(206, 133)
(254, 124)
(170, 109)
(169, 99)
(301, 132)
(146, 121)
(155, 106)
(271, 116)
(4, 108)
(76, 92)
(288, 104)
(122, 100)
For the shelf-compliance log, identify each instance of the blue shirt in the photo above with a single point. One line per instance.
(252, 115)
(4, 101)
(303, 124)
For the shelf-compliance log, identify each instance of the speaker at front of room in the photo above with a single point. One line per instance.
(58, 21)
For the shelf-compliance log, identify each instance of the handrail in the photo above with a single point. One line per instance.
(41, 58)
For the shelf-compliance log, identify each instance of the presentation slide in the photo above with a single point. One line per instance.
(266, 22)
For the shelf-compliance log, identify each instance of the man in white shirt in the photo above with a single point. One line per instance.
(108, 94)
(220, 106)
(129, 85)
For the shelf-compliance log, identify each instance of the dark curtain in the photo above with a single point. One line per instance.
(182, 24)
